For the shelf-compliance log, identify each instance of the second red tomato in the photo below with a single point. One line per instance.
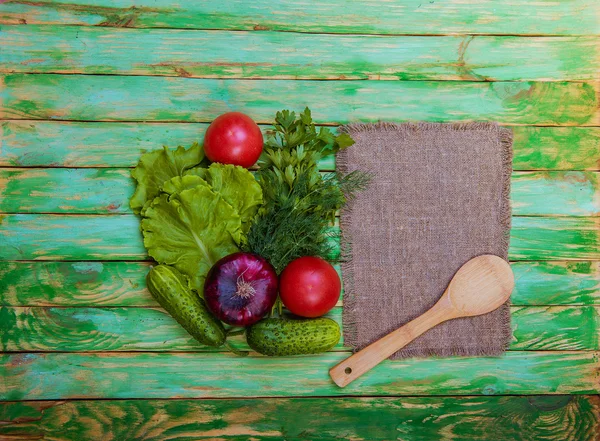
(309, 286)
(233, 138)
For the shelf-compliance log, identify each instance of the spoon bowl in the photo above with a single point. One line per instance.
(481, 285)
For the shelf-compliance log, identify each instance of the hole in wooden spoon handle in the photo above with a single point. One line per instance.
(345, 373)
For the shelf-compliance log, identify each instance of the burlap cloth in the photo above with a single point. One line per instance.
(439, 197)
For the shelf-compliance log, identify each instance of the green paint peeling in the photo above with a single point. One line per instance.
(123, 283)
(108, 98)
(119, 144)
(107, 191)
(279, 55)
(360, 419)
(74, 283)
(133, 329)
(99, 300)
(147, 375)
(577, 17)
(90, 237)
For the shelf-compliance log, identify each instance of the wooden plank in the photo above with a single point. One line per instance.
(117, 237)
(534, 238)
(556, 148)
(65, 190)
(224, 54)
(53, 376)
(104, 191)
(123, 283)
(577, 17)
(113, 144)
(77, 284)
(135, 98)
(40, 329)
(555, 328)
(53, 237)
(555, 193)
(552, 418)
(555, 283)
(109, 144)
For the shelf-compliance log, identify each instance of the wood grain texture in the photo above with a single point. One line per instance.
(54, 237)
(552, 418)
(123, 283)
(553, 328)
(568, 17)
(571, 238)
(556, 283)
(66, 190)
(78, 284)
(67, 329)
(555, 193)
(110, 144)
(223, 54)
(105, 191)
(54, 376)
(132, 98)
(556, 148)
(117, 237)
(87, 291)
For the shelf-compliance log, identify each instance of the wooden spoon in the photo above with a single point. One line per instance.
(478, 287)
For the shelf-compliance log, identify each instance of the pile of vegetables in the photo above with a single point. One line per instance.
(233, 247)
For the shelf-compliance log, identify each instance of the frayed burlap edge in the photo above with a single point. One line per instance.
(505, 140)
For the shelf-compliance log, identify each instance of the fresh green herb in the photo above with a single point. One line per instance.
(300, 203)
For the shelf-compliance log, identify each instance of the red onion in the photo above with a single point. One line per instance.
(240, 288)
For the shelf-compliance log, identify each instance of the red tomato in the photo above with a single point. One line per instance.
(309, 286)
(233, 138)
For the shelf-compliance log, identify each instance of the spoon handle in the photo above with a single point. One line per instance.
(366, 359)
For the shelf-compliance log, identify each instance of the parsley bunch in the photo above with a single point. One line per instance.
(300, 203)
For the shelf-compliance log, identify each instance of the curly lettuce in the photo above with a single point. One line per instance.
(157, 167)
(193, 215)
(190, 227)
(237, 186)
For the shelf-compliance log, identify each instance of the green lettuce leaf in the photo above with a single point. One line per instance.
(190, 227)
(180, 183)
(157, 167)
(237, 186)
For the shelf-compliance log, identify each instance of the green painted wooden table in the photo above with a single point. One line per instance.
(86, 85)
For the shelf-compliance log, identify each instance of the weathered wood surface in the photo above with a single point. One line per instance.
(567, 17)
(113, 144)
(535, 70)
(105, 191)
(53, 376)
(223, 54)
(117, 237)
(133, 98)
(551, 418)
(123, 283)
(556, 283)
(540, 238)
(40, 329)
(555, 194)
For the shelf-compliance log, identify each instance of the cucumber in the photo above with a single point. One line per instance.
(276, 336)
(170, 289)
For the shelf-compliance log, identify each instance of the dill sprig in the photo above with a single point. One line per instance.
(300, 203)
